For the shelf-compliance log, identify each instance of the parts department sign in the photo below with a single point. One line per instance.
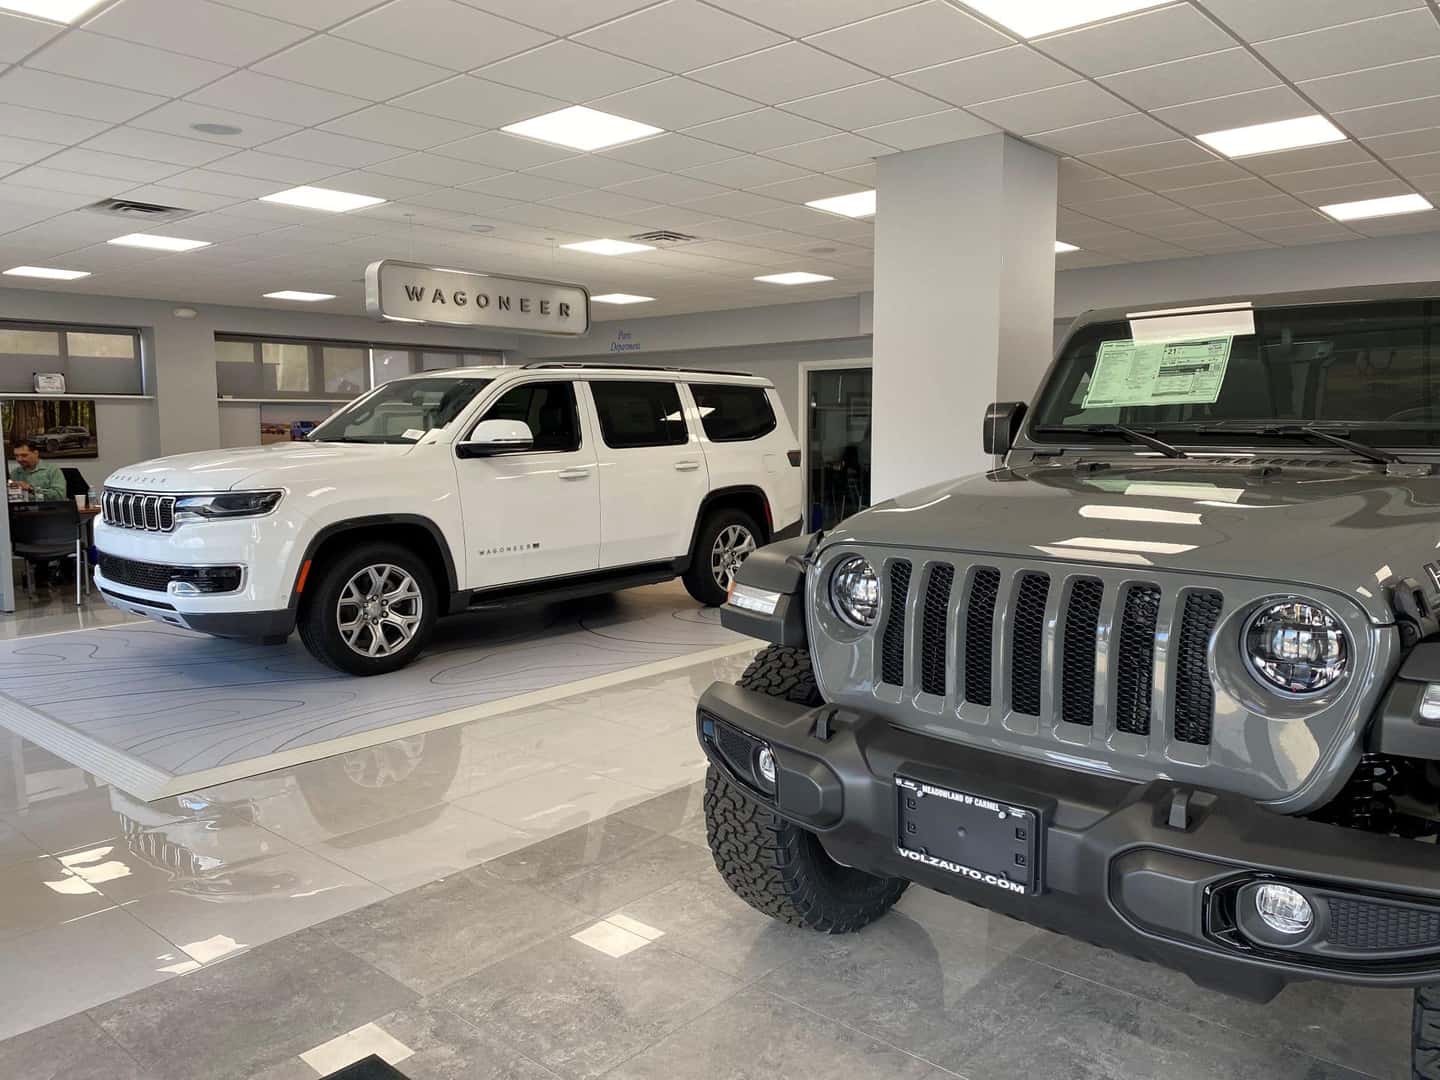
(415, 293)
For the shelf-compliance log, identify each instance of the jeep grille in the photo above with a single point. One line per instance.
(138, 510)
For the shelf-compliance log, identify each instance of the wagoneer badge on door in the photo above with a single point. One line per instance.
(414, 293)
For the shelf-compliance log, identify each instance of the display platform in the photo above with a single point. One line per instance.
(158, 711)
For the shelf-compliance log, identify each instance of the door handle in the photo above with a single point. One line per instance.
(686, 466)
(573, 474)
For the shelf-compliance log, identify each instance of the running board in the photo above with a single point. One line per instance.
(576, 586)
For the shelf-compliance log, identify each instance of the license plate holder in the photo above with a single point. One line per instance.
(974, 837)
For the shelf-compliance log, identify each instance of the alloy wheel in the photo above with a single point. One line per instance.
(379, 610)
(732, 547)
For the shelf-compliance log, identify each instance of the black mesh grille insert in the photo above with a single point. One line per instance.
(979, 633)
(1077, 662)
(154, 577)
(1360, 924)
(934, 637)
(1194, 696)
(892, 642)
(1135, 659)
(1029, 640)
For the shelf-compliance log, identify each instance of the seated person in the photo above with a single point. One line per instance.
(29, 474)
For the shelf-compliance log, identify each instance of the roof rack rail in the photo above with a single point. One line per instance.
(593, 365)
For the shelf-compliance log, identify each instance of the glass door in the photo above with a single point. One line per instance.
(837, 444)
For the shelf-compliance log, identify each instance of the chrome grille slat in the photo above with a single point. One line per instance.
(138, 510)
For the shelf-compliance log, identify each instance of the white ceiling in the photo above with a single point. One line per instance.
(767, 104)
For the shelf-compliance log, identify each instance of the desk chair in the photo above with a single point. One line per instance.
(44, 532)
(74, 483)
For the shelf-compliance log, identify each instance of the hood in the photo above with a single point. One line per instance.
(248, 467)
(1351, 529)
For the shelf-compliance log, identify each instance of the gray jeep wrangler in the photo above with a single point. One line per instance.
(1168, 679)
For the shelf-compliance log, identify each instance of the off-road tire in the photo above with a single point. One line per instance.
(1425, 1034)
(317, 623)
(776, 867)
(699, 579)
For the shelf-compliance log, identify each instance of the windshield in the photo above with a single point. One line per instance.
(401, 411)
(1371, 370)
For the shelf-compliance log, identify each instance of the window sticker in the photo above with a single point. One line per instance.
(1158, 373)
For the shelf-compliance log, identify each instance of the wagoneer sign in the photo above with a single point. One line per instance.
(408, 291)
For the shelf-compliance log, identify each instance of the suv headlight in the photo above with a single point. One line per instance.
(229, 504)
(855, 592)
(1296, 646)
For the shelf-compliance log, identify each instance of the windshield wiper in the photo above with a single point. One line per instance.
(1334, 438)
(1141, 438)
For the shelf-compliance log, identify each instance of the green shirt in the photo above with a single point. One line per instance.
(47, 480)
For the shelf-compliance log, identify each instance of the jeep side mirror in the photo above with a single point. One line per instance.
(1002, 425)
(492, 437)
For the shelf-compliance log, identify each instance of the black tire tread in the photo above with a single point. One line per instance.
(699, 583)
(314, 634)
(1425, 1034)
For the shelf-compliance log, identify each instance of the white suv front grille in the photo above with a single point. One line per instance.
(138, 510)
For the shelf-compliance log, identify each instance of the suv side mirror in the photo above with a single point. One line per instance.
(492, 437)
(1002, 425)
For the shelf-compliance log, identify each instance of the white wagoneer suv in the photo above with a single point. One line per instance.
(453, 490)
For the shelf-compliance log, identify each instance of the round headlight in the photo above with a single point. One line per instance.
(1296, 646)
(855, 592)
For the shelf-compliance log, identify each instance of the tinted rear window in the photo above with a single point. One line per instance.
(733, 413)
(634, 414)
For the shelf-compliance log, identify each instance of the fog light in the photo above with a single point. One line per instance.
(182, 588)
(1283, 909)
(765, 762)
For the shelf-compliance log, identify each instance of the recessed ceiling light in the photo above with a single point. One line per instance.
(216, 129)
(301, 296)
(1368, 208)
(621, 298)
(1031, 17)
(608, 247)
(319, 198)
(158, 243)
(47, 272)
(582, 129)
(857, 204)
(1312, 130)
(794, 277)
(58, 10)
(1061, 247)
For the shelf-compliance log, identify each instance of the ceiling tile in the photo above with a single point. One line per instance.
(332, 149)
(914, 37)
(1149, 37)
(444, 32)
(400, 127)
(47, 126)
(829, 154)
(739, 204)
(604, 203)
(1046, 110)
(1223, 192)
(1002, 73)
(932, 130)
(1317, 233)
(1404, 143)
(1273, 18)
(378, 185)
(76, 97)
(41, 176)
(1186, 176)
(348, 68)
(276, 99)
(746, 171)
(20, 36)
(808, 188)
(216, 183)
(471, 100)
(1309, 157)
(762, 129)
(177, 117)
(570, 72)
(674, 103)
(782, 73)
(560, 16)
(1425, 221)
(1236, 110)
(680, 35)
(262, 166)
(156, 146)
(1363, 172)
(123, 63)
(1233, 71)
(669, 188)
(316, 14)
(1407, 35)
(197, 28)
(1377, 189)
(1417, 166)
(165, 195)
(592, 170)
(115, 166)
(1376, 86)
(1116, 133)
(671, 152)
(463, 202)
(16, 151)
(1380, 119)
(1243, 209)
(433, 169)
(524, 187)
(1162, 155)
(865, 105)
(503, 150)
(800, 17)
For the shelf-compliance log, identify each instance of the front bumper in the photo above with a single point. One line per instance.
(1158, 870)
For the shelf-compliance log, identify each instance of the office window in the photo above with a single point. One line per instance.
(635, 414)
(274, 368)
(387, 364)
(343, 370)
(284, 367)
(733, 413)
(93, 360)
(102, 363)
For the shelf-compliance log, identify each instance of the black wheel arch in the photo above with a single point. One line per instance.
(750, 498)
(432, 547)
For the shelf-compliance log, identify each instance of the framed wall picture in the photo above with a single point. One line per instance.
(291, 423)
(63, 428)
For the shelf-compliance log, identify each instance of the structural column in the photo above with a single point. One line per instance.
(964, 301)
